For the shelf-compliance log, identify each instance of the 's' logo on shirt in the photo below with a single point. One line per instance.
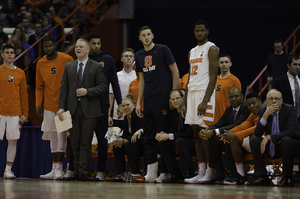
(10, 78)
(148, 64)
(101, 63)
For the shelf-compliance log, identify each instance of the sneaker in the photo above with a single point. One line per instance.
(195, 179)
(210, 174)
(236, 180)
(151, 172)
(68, 174)
(57, 174)
(8, 174)
(100, 176)
(48, 176)
(162, 176)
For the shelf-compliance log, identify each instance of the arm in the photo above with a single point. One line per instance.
(183, 107)
(141, 94)
(175, 74)
(39, 91)
(24, 99)
(111, 107)
(213, 55)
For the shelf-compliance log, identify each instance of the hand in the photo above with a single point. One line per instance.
(136, 135)
(263, 144)
(205, 134)
(272, 109)
(162, 136)
(110, 121)
(202, 108)
(138, 110)
(230, 136)
(60, 114)
(118, 142)
(222, 138)
(120, 112)
(183, 111)
(80, 92)
(39, 111)
(22, 119)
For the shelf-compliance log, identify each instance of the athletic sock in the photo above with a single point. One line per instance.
(240, 168)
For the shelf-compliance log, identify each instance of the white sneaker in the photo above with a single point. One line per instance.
(210, 174)
(162, 177)
(8, 174)
(151, 172)
(100, 176)
(48, 176)
(68, 174)
(58, 174)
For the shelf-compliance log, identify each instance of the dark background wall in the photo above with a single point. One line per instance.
(244, 31)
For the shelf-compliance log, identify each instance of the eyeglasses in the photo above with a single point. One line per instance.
(276, 99)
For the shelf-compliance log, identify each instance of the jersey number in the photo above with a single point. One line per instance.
(194, 70)
(148, 61)
(53, 71)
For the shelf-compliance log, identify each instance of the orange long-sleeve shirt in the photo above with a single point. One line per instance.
(247, 127)
(184, 80)
(48, 78)
(13, 98)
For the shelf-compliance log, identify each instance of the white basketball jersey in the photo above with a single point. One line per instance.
(199, 70)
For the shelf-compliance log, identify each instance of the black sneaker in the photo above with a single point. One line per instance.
(236, 180)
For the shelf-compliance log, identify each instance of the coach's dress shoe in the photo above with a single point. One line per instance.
(73, 177)
(259, 181)
(288, 182)
(173, 179)
(87, 177)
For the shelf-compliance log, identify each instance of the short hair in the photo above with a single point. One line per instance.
(201, 22)
(235, 88)
(144, 28)
(291, 58)
(7, 46)
(47, 38)
(93, 35)
(38, 23)
(250, 95)
(84, 40)
(178, 90)
(225, 55)
(129, 97)
(278, 41)
(127, 50)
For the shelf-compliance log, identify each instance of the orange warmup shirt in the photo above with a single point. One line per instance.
(184, 80)
(221, 89)
(180, 83)
(134, 90)
(48, 78)
(247, 127)
(13, 98)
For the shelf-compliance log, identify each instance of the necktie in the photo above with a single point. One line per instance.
(297, 96)
(273, 131)
(234, 116)
(80, 72)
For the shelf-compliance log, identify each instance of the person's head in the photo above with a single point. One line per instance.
(52, 10)
(278, 45)
(82, 49)
(38, 28)
(225, 63)
(201, 31)
(23, 10)
(19, 33)
(71, 4)
(95, 42)
(253, 103)
(28, 15)
(293, 63)
(274, 97)
(235, 97)
(128, 104)
(8, 53)
(146, 36)
(176, 97)
(127, 57)
(49, 46)
(26, 22)
(19, 49)
(15, 40)
(49, 15)
(45, 22)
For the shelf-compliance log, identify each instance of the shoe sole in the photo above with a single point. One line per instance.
(138, 179)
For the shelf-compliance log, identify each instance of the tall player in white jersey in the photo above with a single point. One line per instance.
(200, 100)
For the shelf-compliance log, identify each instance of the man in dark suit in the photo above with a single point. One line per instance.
(278, 120)
(288, 83)
(179, 138)
(82, 81)
(234, 115)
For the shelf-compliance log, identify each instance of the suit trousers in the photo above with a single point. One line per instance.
(81, 139)
(283, 149)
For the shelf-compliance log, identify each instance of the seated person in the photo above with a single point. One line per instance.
(280, 124)
(180, 137)
(47, 27)
(217, 145)
(130, 143)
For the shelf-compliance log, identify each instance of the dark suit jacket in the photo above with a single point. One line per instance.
(186, 132)
(136, 124)
(92, 79)
(226, 121)
(282, 84)
(288, 124)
